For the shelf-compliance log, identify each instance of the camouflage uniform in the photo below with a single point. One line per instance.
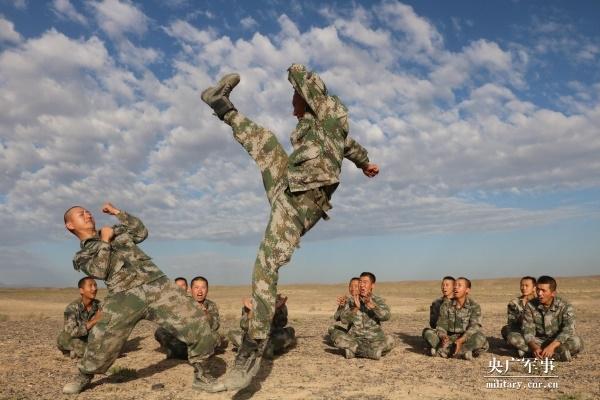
(555, 323)
(336, 329)
(298, 186)
(281, 337)
(137, 289)
(74, 335)
(511, 332)
(364, 328)
(174, 347)
(434, 314)
(457, 322)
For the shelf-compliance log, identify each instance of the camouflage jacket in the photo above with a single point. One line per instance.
(320, 140)
(365, 323)
(280, 319)
(557, 322)
(434, 311)
(514, 313)
(212, 311)
(76, 316)
(337, 316)
(464, 321)
(120, 263)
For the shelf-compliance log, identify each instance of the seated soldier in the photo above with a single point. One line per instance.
(336, 329)
(459, 325)
(434, 310)
(80, 316)
(174, 347)
(549, 324)
(364, 314)
(182, 283)
(281, 337)
(511, 332)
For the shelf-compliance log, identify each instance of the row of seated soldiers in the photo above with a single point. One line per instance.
(539, 323)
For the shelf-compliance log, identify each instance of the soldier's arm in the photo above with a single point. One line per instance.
(93, 259)
(280, 319)
(474, 322)
(347, 315)
(245, 319)
(215, 321)
(134, 226)
(528, 327)
(73, 327)
(381, 311)
(442, 322)
(513, 315)
(354, 152)
(567, 328)
(338, 313)
(434, 313)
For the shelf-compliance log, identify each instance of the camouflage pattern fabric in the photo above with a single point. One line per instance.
(161, 301)
(73, 336)
(336, 329)
(364, 328)
(298, 187)
(557, 322)
(460, 322)
(511, 332)
(121, 264)
(434, 311)
(175, 348)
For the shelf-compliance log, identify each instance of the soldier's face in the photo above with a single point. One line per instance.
(89, 289)
(80, 220)
(460, 289)
(354, 287)
(527, 287)
(365, 286)
(447, 288)
(199, 291)
(545, 294)
(182, 284)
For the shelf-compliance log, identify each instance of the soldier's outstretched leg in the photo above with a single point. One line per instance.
(567, 350)
(516, 340)
(476, 344)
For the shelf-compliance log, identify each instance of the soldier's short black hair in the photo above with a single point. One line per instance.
(370, 275)
(181, 278)
(531, 278)
(547, 280)
(354, 278)
(82, 281)
(199, 278)
(448, 278)
(464, 279)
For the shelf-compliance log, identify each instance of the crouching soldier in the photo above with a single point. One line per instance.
(447, 288)
(512, 332)
(459, 325)
(549, 324)
(80, 316)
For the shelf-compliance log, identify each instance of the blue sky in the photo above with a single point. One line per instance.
(484, 119)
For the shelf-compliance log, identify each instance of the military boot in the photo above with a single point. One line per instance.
(370, 352)
(204, 382)
(468, 355)
(217, 97)
(78, 384)
(246, 364)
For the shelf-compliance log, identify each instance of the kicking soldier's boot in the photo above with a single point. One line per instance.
(246, 364)
(217, 97)
(78, 384)
(204, 382)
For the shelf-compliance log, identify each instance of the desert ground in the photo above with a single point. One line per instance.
(32, 368)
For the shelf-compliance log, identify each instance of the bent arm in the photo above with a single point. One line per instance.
(354, 152)
(134, 226)
(93, 259)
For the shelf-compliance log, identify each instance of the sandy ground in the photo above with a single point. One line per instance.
(32, 368)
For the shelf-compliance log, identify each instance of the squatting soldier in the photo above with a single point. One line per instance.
(281, 337)
(137, 289)
(80, 316)
(459, 324)
(336, 329)
(298, 187)
(549, 324)
(512, 331)
(364, 314)
(174, 347)
(447, 288)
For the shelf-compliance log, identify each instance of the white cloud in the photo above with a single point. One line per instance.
(248, 23)
(117, 17)
(64, 9)
(8, 32)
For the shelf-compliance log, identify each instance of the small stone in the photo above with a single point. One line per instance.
(158, 386)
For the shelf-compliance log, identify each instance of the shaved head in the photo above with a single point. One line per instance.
(68, 212)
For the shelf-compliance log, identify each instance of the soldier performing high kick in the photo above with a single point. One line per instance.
(298, 187)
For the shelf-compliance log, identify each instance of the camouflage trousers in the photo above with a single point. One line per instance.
(514, 338)
(160, 301)
(292, 215)
(574, 344)
(361, 345)
(75, 346)
(174, 347)
(280, 340)
(334, 332)
(477, 342)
